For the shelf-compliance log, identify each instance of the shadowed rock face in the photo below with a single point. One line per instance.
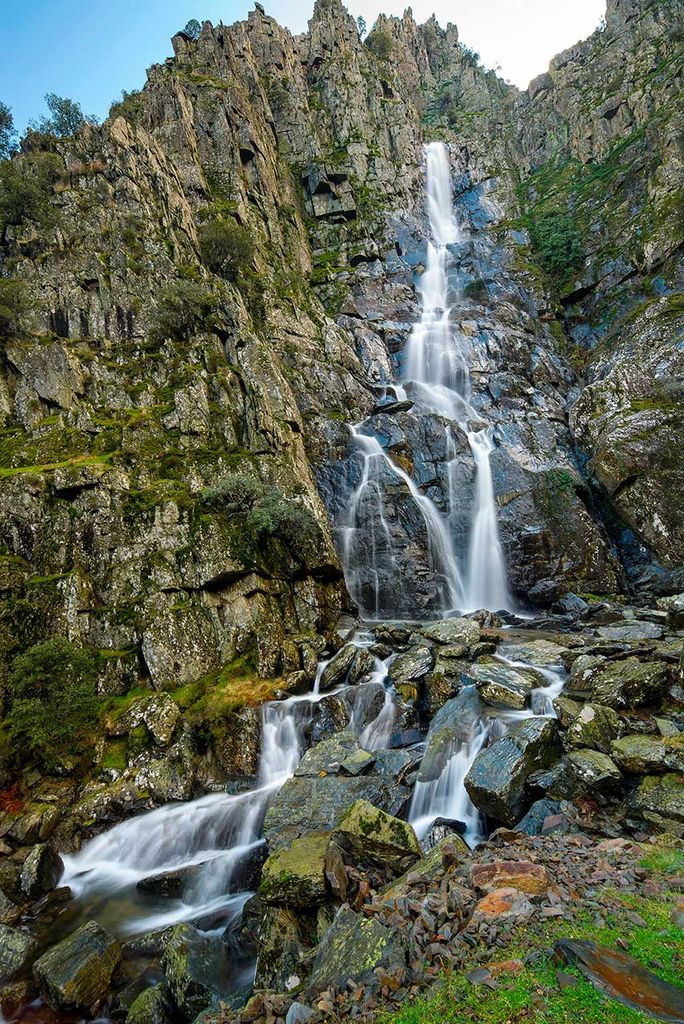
(120, 413)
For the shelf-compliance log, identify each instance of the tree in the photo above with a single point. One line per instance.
(7, 132)
(66, 118)
(361, 24)
(226, 247)
(192, 29)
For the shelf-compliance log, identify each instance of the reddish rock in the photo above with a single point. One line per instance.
(521, 875)
(502, 904)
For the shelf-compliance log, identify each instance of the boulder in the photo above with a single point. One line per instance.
(567, 710)
(357, 762)
(9, 912)
(295, 876)
(630, 631)
(16, 951)
(660, 801)
(196, 968)
(541, 653)
(496, 780)
(337, 669)
(501, 686)
(75, 974)
(452, 726)
(591, 771)
(369, 836)
(353, 947)
(453, 631)
(150, 1007)
(41, 871)
(502, 905)
(629, 683)
(532, 824)
(298, 1013)
(507, 874)
(645, 754)
(282, 947)
(411, 665)
(595, 726)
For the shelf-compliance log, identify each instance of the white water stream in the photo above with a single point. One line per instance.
(437, 380)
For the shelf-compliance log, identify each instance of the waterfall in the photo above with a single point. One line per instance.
(437, 380)
(486, 585)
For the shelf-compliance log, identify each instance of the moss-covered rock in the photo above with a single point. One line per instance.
(16, 950)
(370, 837)
(152, 1006)
(196, 968)
(352, 948)
(645, 754)
(295, 876)
(595, 726)
(660, 801)
(75, 974)
(629, 683)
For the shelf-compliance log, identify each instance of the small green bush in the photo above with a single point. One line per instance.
(53, 708)
(129, 106)
(8, 134)
(184, 308)
(15, 306)
(558, 242)
(226, 247)
(380, 43)
(26, 187)
(234, 494)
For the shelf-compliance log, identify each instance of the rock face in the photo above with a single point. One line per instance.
(372, 837)
(75, 974)
(196, 969)
(352, 948)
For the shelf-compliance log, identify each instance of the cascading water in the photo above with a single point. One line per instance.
(437, 381)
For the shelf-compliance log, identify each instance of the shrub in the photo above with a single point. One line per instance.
(235, 494)
(380, 43)
(26, 187)
(129, 106)
(184, 308)
(15, 305)
(7, 132)
(275, 515)
(226, 247)
(558, 242)
(53, 708)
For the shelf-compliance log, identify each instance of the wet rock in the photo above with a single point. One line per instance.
(646, 754)
(631, 631)
(357, 762)
(441, 829)
(595, 726)
(150, 1007)
(237, 743)
(362, 666)
(295, 876)
(9, 912)
(623, 979)
(41, 871)
(452, 726)
(298, 1013)
(17, 948)
(453, 631)
(629, 683)
(504, 874)
(196, 968)
(567, 710)
(335, 672)
(285, 938)
(369, 836)
(592, 771)
(674, 607)
(501, 686)
(532, 824)
(572, 604)
(75, 974)
(169, 884)
(660, 801)
(497, 777)
(411, 665)
(352, 948)
(536, 652)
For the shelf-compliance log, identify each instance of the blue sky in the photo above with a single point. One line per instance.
(90, 50)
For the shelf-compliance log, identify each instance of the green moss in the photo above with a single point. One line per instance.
(114, 757)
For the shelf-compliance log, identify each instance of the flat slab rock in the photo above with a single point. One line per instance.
(623, 979)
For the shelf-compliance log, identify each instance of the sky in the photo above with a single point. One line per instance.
(90, 50)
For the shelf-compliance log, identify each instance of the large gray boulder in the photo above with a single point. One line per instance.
(594, 726)
(368, 836)
(496, 780)
(502, 686)
(196, 968)
(319, 794)
(629, 683)
(453, 631)
(41, 871)
(451, 727)
(75, 974)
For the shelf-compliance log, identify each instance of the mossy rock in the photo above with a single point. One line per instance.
(295, 876)
(75, 974)
(369, 836)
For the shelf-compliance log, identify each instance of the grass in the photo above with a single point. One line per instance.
(533, 995)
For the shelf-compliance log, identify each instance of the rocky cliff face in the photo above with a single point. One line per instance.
(142, 387)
